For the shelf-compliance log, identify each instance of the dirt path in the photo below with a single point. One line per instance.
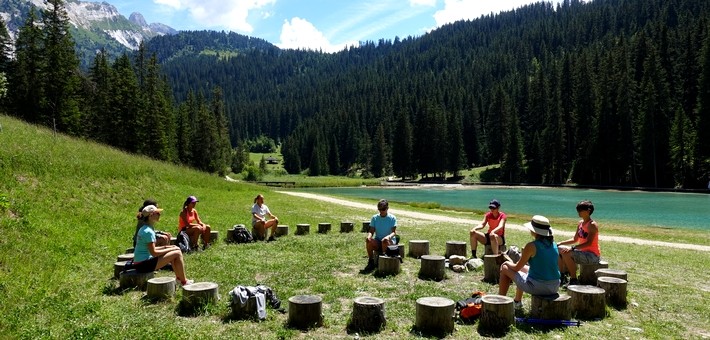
(432, 217)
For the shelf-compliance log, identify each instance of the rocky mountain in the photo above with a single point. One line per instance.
(95, 25)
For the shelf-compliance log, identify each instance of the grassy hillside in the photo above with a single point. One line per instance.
(67, 210)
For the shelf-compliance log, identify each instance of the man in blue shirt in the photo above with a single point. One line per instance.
(382, 229)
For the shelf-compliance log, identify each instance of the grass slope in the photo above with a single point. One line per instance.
(67, 210)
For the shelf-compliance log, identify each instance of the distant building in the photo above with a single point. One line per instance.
(272, 160)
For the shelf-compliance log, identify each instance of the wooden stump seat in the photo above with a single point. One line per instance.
(368, 315)
(491, 267)
(129, 250)
(455, 248)
(230, 235)
(619, 274)
(417, 248)
(435, 315)
(615, 290)
(587, 301)
(400, 247)
(586, 272)
(124, 257)
(214, 236)
(305, 311)
(160, 288)
(387, 265)
(487, 250)
(281, 230)
(556, 307)
(200, 294)
(246, 311)
(497, 313)
(432, 267)
(346, 227)
(133, 279)
(303, 229)
(118, 267)
(323, 228)
(365, 226)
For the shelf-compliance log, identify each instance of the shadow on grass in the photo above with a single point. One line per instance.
(111, 288)
(438, 334)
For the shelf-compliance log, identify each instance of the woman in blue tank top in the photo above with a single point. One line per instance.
(537, 272)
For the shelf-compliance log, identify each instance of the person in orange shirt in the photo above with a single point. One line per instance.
(495, 219)
(586, 250)
(190, 221)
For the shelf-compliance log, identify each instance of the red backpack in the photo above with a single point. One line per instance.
(469, 309)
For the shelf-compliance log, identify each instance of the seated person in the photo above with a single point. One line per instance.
(259, 221)
(383, 227)
(495, 219)
(194, 227)
(162, 237)
(586, 250)
(536, 273)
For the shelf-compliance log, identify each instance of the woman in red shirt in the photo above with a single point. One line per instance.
(190, 221)
(495, 219)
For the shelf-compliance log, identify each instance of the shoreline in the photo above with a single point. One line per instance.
(433, 217)
(455, 185)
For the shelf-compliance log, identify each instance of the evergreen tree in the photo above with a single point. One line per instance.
(26, 82)
(379, 155)
(125, 127)
(456, 149)
(5, 47)
(701, 154)
(97, 120)
(223, 144)
(403, 148)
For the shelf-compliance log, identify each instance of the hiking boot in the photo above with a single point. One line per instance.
(473, 254)
(271, 239)
(518, 305)
(205, 246)
(564, 279)
(370, 266)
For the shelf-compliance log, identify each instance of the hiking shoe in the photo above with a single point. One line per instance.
(518, 305)
(205, 246)
(370, 267)
(271, 239)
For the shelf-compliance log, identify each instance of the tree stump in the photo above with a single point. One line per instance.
(551, 307)
(323, 228)
(619, 274)
(118, 267)
(130, 250)
(245, 311)
(587, 301)
(124, 257)
(435, 315)
(365, 226)
(214, 236)
(432, 267)
(368, 315)
(487, 250)
(400, 247)
(303, 229)
(173, 241)
(281, 230)
(455, 248)
(615, 290)
(491, 267)
(417, 248)
(133, 279)
(230, 235)
(304, 311)
(497, 313)
(346, 227)
(387, 265)
(160, 288)
(200, 294)
(586, 272)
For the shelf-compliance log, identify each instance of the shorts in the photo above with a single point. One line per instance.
(146, 266)
(536, 287)
(584, 257)
(488, 239)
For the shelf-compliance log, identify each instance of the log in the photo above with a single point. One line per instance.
(303, 229)
(619, 274)
(417, 248)
(323, 228)
(305, 311)
(587, 301)
(551, 308)
(160, 288)
(246, 311)
(365, 226)
(455, 248)
(281, 230)
(586, 272)
(346, 227)
(491, 268)
(124, 257)
(432, 267)
(435, 315)
(368, 315)
(133, 279)
(200, 294)
(230, 235)
(118, 267)
(497, 313)
(214, 236)
(387, 265)
(487, 250)
(129, 250)
(615, 290)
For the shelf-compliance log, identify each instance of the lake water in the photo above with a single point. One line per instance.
(657, 209)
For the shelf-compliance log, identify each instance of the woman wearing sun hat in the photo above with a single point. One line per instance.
(190, 221)
(537, 272)
(147, 257)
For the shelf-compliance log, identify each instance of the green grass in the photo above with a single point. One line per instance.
(67, 210)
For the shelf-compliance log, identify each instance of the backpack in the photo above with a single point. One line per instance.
(183, 241)
(469, 309)
(242, 235)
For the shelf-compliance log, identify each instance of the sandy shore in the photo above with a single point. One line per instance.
(432, 217)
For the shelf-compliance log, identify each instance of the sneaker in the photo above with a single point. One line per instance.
(518, 305)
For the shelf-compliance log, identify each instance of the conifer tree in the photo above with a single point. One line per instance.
(379, 155)
(26, 80)
(125, 127)
(403, 147)
(701, 154)
(5, 47)
(97, 119)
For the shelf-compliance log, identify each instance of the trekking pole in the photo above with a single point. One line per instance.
(549, 322)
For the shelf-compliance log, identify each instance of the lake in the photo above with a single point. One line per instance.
(640, 208)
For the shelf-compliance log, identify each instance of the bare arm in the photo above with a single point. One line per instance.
(528, 252)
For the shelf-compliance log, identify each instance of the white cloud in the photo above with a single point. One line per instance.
(232, 14)
(301, 34)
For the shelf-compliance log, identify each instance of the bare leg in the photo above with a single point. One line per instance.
(495, 240)
(174, 257)
(506, 278)
(476, 237)
(569, 265)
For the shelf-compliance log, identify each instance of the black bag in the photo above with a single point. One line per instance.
(242, 235)
(393, 251)
(183, 241)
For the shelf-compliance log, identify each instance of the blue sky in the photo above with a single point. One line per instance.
(327, 25)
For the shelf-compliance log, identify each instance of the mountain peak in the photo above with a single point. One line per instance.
(137, 19)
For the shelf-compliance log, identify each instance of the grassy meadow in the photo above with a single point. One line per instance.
(67, 210)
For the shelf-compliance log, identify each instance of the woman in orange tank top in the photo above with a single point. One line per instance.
(586, 239)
